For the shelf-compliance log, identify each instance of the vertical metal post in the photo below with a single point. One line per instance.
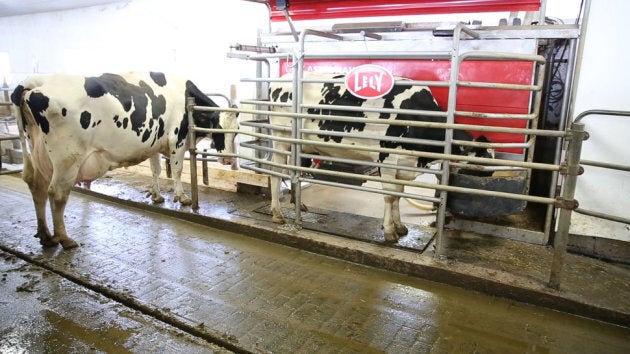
(574, 149)
(192, 147)
(533, 124)
(564, 118)
(448, 138)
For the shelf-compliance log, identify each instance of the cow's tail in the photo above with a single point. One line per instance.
(17, 98)
(421, 206)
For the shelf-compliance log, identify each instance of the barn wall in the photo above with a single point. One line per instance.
(187, 37)
(603, 83)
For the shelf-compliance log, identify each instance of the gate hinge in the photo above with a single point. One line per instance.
(570, 204)
(575, 171)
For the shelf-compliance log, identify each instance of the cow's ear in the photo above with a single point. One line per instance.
(17, 95)
(482, 139)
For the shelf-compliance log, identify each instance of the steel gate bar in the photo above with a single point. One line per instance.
(611, 166)
(574, 149)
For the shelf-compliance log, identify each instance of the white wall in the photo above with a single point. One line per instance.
(604, 83)
(186, 37)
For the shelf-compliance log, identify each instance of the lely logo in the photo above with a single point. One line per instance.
(369, 81)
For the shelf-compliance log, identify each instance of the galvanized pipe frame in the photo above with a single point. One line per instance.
(618, 167)
(454, 126)
(302, 55)
(436, 156)
(413, 183)
(489, 85)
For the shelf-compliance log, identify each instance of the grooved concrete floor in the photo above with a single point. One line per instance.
(246, 294)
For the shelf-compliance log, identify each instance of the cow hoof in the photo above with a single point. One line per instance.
(390, 237)
(184, 200)
(47, 241)
(68, 244)
(401, 230)
(303, 207)
(158, 199)
(278, 219)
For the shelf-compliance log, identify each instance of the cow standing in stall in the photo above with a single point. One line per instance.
(401, 97)
(78, 128)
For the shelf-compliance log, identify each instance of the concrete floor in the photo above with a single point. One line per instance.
(167, 280)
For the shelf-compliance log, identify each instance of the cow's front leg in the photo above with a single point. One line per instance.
(177, 162)
(276, 209)
(276, 181)
(39, 191)
(393, 227)
(156, 168)
(389, 230)
(399, 226)
(58, 193)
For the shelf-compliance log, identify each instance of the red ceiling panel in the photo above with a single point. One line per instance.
(327, 9)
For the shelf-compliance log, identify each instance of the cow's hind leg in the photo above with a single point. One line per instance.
(58, 193)
(156, 168)
(39, 191)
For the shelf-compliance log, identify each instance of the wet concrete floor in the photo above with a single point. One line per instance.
(147, 282)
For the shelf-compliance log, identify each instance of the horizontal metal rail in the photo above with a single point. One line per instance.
(332, 107)
(435, 156)
(612, 166)
(601, 215)
(371, 189)
(491, 85)
(456, 126)
(372, 137)
(530, 116)
(418, 170)
(413, 183)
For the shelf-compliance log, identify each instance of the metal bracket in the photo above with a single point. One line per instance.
(570, 204)
(575, 171)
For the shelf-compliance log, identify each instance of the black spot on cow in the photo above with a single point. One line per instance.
(280, 96)
(161, 131)
(130, 96)
(17, 99)
(331, 95)
(85, 119)
(146, 135)
(16, 96)
(158, 78)
(181, 132)
(38, 103)
(64, 111)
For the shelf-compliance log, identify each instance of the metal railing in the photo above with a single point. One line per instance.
(294, 136)
(618, 167)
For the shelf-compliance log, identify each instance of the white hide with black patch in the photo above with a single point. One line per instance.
(78, 128)
(400, 97)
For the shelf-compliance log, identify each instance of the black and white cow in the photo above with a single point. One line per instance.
(78, 128)
(402, 97)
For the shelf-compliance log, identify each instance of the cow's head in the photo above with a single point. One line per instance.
(223, 142)
(478, 151)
